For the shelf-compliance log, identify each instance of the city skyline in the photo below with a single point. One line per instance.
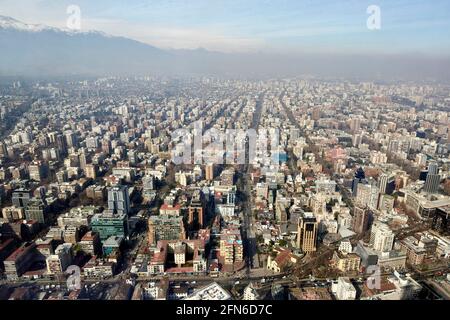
(227, 151)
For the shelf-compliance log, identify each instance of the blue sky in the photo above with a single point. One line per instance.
(407, 26)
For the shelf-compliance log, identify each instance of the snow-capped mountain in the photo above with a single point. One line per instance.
(39, 50)
(13, 24)
(10, 23)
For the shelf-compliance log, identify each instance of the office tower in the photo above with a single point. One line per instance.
(36, 210)
(381, 237)
(386, 183)
(109, 224)
(307, 232)
(119, 200)
(360, 220)
(165, 228)
(196, 211)
(433, 179)
(209, 172)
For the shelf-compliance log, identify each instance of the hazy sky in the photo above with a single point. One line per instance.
(407, 26)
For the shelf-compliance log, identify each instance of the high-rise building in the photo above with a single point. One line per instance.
(315, 113)
(21, 197)
(108, 224)
(20, 261)
(386, 183)
(90, 243)
(433, 179)
(367, 195)
(165, 228)
(3, 150)
(231, 247)
(359, 178)
(12, 213)
(82, 160)
(36, 171)
(343, 289)
(58, 262)
(381, 237)
(355, 124)
(90, 171)
(209, 172)
(196, 211)
(119, 200)
(36, 210)
(307, 232)
(360, 220)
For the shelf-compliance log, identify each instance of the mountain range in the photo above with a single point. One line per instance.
(39, 50)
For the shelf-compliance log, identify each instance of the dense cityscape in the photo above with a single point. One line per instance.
(288, 189)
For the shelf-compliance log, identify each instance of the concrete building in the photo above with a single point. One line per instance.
(165, 228)
(415, 253)
(90, 243)
(250, 292)
(343, 289)
(346, 262)
(212, 291)
(360, 220)
(307, 230)
(20, 260)
(107, 224)
(13, 213)
(196, 211)
(119, 200)
(21, 197)
(57, 263)
(209, 172)
(90, 171)
(381, 237)
(36, 210)
(231, 246)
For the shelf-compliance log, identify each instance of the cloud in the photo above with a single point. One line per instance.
(176, 37)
